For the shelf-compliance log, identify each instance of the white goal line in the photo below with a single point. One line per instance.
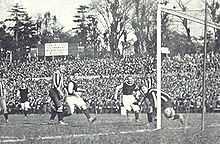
(11, 139)
(8, 139)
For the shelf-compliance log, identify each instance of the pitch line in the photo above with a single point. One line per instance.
(214, 125)
(16, 139)
(7, 137)
(178, 128)
(188, 127)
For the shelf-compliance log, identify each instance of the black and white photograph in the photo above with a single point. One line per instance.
(110, 71)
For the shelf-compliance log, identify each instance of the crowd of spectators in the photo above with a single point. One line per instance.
(181, 78)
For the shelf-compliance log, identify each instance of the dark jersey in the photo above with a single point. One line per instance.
(71, 89)
(166, 100)
(23, 95)
(128, 89)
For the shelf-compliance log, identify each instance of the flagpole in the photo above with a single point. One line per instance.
(204, 71)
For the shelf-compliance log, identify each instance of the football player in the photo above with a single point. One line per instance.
(56, 94)
(166, 105)
(128, 99)
(73, 98)
(23, 94)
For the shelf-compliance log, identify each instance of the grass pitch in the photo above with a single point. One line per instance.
(109, 129)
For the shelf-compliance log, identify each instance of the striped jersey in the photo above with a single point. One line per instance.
(2, 94)
(149, 82)
(57, 80)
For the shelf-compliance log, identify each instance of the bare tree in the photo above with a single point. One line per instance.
(114, 16)
(143, 23)
(213, 6)
(184, 20)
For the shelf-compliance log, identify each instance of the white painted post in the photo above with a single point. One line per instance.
(159, 66)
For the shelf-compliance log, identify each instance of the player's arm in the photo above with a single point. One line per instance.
(29, 94)
(80, 90)
(65, 91)
(136, 89)
(118, 88)
(18, 93)
(53, 79)
(5, 92)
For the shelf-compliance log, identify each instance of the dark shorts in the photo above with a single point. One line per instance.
(55, 97)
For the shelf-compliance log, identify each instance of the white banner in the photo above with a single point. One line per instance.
(56, 49)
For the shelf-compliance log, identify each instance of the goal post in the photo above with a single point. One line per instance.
(159, 67)
(161, 9)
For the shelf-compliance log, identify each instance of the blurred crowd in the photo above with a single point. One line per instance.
(181, 78)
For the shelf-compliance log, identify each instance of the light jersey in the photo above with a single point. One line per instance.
(71, 88)
(128, 89)
(23, 95)
(166, 100)
(57, 80)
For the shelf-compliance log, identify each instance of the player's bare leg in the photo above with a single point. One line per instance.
(89, 118)
(127, 114)
(136, 109)
(136, 114)
(180, 117)
(4, 107)
(52, 116)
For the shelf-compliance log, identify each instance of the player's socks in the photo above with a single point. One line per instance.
(86, 112)
(127, 114)
(6, 117)
(180, 117)
(92, 119)
(53, 115)
(60, 116)
(150, 117)
(25, 113)
(136, 116)
(176, 116)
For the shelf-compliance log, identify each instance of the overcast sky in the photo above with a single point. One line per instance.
(63, 9)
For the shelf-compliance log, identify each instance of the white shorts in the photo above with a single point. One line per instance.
(73, 101)
(3, 105)
(128, 102)
(25, 106)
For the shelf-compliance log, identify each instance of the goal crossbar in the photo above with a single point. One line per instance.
(189, 17)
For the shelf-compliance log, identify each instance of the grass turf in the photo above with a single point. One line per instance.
(109, 129)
